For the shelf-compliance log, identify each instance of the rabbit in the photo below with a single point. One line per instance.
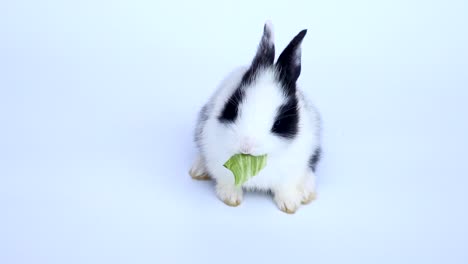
(258, 109)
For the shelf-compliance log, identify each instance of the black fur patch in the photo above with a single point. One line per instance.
(264, 58)
(313, 161)
(231, 108)
(289, 64)
(287, 119)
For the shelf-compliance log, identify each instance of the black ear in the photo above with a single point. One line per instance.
(265, 56)
(289, 62)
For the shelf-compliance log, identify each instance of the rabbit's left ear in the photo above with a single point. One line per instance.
(265, 55)
(289, 62)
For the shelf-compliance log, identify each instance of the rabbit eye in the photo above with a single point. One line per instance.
(287, 119)
(231, 108)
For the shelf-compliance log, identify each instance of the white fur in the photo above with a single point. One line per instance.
(269, 27)
(198, 170)
(287, 173)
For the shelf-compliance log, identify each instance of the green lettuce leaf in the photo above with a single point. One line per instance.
(245, 166)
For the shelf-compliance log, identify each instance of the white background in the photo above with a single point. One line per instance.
(98, 101)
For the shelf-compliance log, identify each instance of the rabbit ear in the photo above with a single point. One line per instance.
(289, 62)
(265, 56)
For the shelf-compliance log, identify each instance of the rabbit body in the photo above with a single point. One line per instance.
(259, 109)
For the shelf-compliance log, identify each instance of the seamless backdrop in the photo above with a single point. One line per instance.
(98, 101)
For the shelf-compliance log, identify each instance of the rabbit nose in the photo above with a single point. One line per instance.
(247, 146)
(246, 149)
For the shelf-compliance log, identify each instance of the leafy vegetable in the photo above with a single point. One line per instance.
(245, 166)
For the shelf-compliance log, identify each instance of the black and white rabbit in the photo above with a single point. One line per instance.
(258, 109)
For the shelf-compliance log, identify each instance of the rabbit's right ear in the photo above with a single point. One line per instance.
(289, 63)
(265, 55)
